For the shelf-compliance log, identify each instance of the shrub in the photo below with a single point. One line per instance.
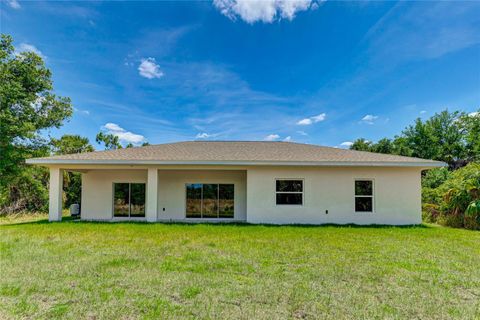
(454, 202)
(430, 212)
(472, 216)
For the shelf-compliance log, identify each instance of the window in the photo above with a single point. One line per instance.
(129, 200)
(209, 200)
(363, 195)
(289, 192)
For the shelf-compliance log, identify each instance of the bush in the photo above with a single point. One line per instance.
(430, 212)
(472, 216)
(454, 202)
(28, 191)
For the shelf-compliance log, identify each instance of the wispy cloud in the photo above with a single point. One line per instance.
(30, 48)
(369, 119)
(218, 100)
(266, 11)
(85, 112)
(14, 4)
(72, 9)
(149, 69)
(122, 134)
(346, 144)
(287, 139)
(204, 135)
(302, 133)
(158, 42)
(272, 137)
(311, 120)
(440, 28)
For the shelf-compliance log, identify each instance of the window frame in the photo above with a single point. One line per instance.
(355, 196)
(129, 200)
(292, 192)
(218, 201)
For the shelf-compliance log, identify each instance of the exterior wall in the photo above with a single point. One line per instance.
(97, 191)
(397, 196)
(172, 193)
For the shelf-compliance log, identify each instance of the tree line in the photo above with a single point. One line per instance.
(452, 137)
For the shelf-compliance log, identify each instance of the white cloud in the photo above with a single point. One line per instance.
(14, 4)
(271, 137)
(302, 133)
(346, 144)
(205, 135)
(113, 127)
(474, 114)
(149, 69)
(305, 122)
(370, 119)
(122, 134)
(30, 48)
(319, 118)
(423, 111)
(266, 11)
(287, 139)
(311, 120)
(85, 112)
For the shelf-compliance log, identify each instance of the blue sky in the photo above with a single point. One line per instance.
(313, 72)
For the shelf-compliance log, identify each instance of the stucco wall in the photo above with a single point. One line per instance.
(171, 190)
(97, 191)
(397, 193)
(397, 196)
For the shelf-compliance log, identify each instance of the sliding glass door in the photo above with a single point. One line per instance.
(128, 200)
(194, 200)
(209, 200)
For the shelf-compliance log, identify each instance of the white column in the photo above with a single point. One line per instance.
(152, 195)
(55, 195)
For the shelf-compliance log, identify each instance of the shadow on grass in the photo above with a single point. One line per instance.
(66, 220)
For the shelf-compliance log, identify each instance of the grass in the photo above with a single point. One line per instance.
(81, 270)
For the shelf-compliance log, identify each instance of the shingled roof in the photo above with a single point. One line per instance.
(236, 153)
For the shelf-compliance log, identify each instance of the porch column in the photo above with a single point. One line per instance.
(55, 195)
(152, 195)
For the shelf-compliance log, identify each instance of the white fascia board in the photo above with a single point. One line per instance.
(240, 163)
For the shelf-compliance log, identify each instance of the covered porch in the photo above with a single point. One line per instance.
(161, 193)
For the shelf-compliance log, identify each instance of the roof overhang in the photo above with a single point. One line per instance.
(56, 162)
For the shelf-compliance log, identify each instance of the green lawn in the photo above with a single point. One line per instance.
(131, 270)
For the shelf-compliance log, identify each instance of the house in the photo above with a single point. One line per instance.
(255, 182)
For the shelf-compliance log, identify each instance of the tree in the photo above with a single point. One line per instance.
(110, 141)
(361, 145)
(470, 128)
(68, 144)
(129, 145)
(452, 137)
(384, 145)
(27, 106)
(145, 144)
(438, 138)
(400, 146)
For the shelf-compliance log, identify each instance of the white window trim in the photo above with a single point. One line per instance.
(289, 179)
(372, 196)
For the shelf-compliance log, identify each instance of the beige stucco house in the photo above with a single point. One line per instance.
(255, 182)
